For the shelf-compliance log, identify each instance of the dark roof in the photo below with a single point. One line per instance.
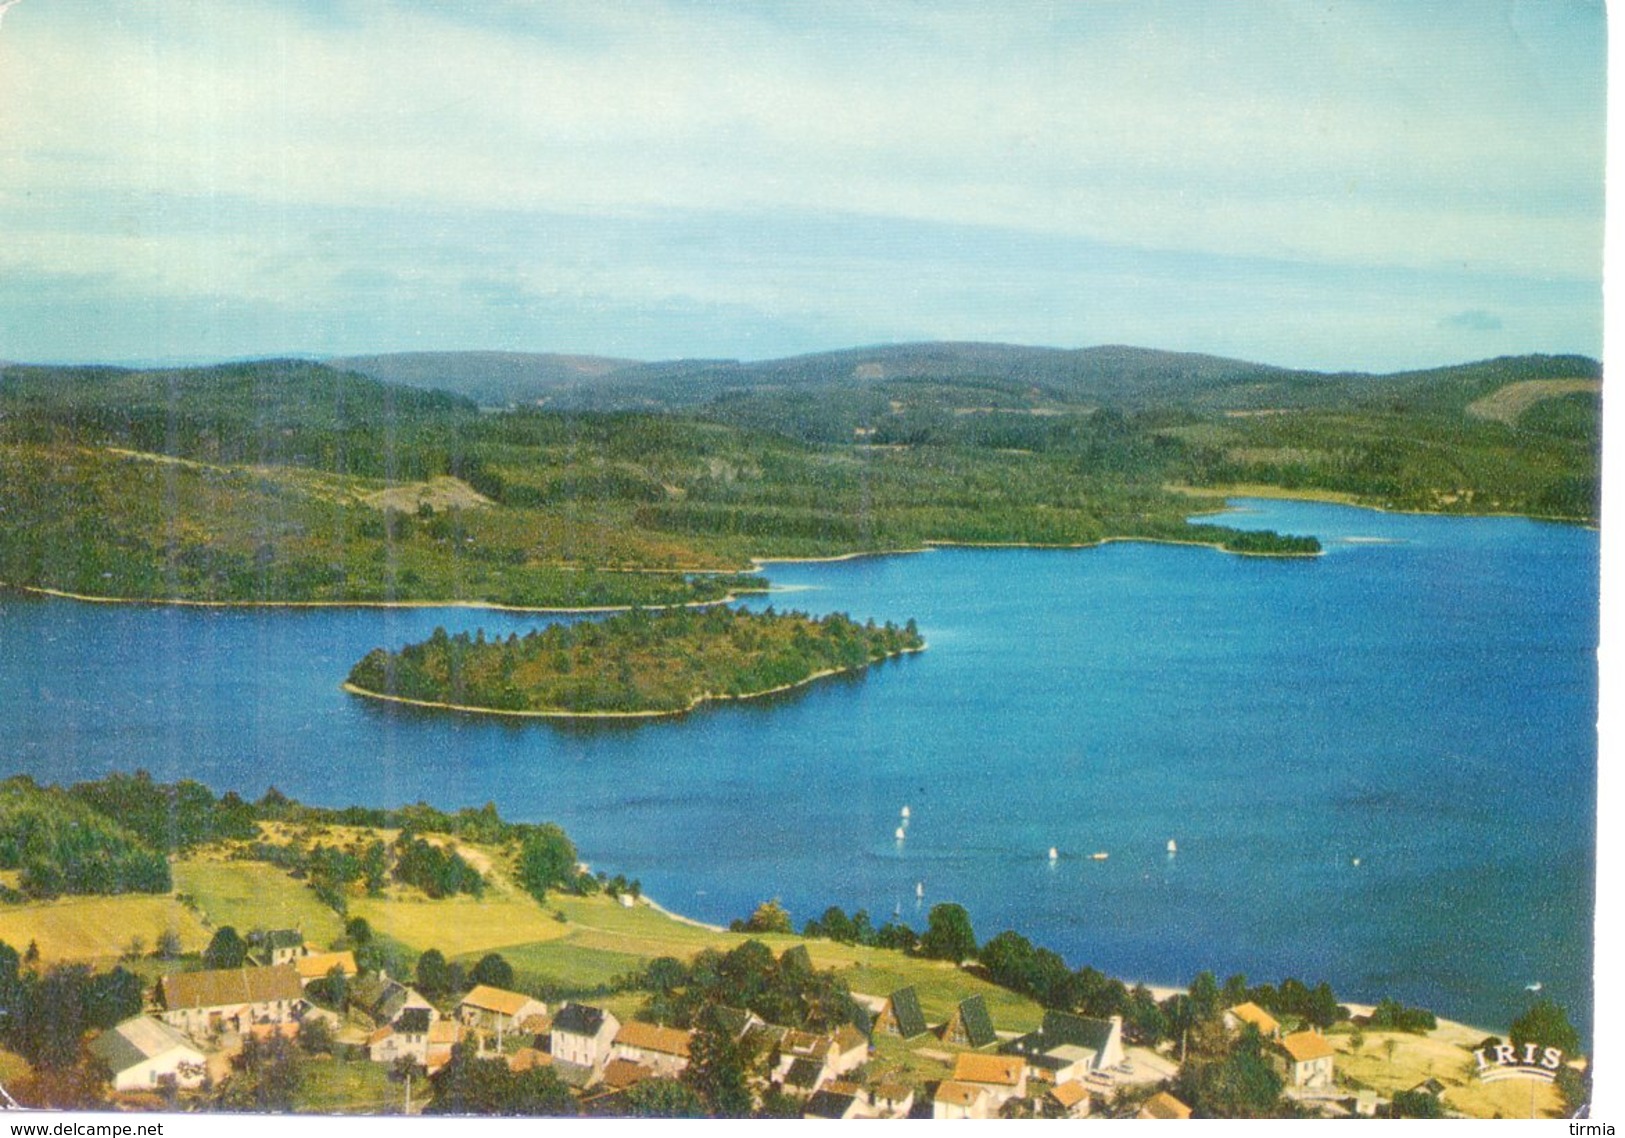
(1059, 1030)
(1080, 1031)
(829, 1104)
(906, 1012)
(389, 1002)
(797, 957)
(734, 1021)
(977, 1023)
(413, 1021)
(579, 1019)
(279, 938)
(137, 1040)
(803, 1073)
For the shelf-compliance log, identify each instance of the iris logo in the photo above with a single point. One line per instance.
(1506, 1061)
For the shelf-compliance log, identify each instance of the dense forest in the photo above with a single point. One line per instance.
(115, 834)
(60, 845)
(636, 662)
(656, 484)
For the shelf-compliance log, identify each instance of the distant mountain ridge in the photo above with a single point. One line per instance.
(1111, 374)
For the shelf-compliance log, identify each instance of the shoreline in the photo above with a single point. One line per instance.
(1338, 498)
(928, 545)
(663, 713)
(493, 606)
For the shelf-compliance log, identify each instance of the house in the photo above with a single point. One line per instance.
(801, 1076)
(497, 1009)
(1070, 1099)
(277, 946)
(583, 1035)
(970, 1025)
(230, 999)
(664, 1050)
(142, 1052)
(901, 1015)
(1164, 1106)
(383, 1000)
(959, 1100)
(1305, 1058)
(891, 1100)
(1250, 1014)
(1003, 1077)
(444, 1034)
(407, 1037)
(313, 966)
(736, 1022)
(849, 1050)
(1071, 1047)
(831, 1104)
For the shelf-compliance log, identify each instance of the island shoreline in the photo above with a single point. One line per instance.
(662, 713)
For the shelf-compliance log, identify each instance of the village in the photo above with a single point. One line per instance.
(195, 1033)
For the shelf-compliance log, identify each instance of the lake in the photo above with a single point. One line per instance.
(1379, 765)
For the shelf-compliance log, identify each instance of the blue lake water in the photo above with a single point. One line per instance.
(1422, 698)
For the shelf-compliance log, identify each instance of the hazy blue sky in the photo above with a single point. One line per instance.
(1311, 182)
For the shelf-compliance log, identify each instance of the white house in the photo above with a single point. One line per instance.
(583, 1035)
(1002, 1077)
(959, 1100)
(278, 946)
(1307, 1059)
(143, 1051)
(1250, 1014)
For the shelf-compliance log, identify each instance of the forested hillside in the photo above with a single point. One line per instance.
(287, 481)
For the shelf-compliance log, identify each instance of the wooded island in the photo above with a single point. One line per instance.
(637, 663)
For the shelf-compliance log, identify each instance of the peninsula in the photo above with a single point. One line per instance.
(635, 664)
(289, 481)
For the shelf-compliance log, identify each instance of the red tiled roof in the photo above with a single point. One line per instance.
(1164, 1105)
(1257, 1016)
(500, 1000)
(1305, 1046)
(999, 1070)
(653, 1037)
(958, 1094)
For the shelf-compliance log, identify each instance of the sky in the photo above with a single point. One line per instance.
(1314, 183)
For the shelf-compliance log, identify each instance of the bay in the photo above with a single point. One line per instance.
(1379, 765)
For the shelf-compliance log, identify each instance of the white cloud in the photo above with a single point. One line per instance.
(1355, 134)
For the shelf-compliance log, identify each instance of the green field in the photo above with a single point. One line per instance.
(458, 926)
(332, 1086)
(99, 928)
(252, 895)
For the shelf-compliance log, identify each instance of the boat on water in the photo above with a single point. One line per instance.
(1173, 847)
(1054, 854)
(1100, 856)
